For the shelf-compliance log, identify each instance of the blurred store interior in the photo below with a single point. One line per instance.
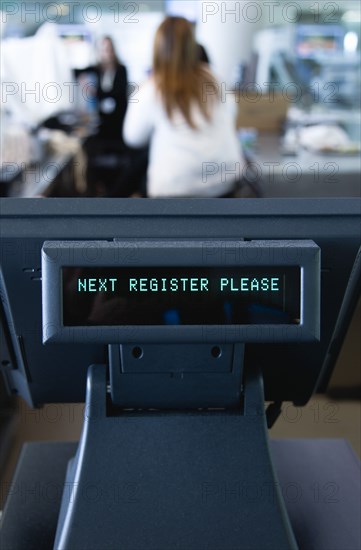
(292, 70)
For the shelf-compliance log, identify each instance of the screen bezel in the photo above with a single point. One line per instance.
(209, 253)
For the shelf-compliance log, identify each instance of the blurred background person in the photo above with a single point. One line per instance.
(194, 149)
(108, 84)
(105, 86)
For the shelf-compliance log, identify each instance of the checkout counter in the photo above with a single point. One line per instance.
(305, 173)
(302, 172)
(53, 163)
(292, 152)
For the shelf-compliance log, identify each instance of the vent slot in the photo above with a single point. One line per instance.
(34, 273)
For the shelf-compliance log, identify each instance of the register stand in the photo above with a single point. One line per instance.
(183, 338)
(175, 440)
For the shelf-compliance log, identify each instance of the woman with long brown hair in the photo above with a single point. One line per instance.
(194, 150)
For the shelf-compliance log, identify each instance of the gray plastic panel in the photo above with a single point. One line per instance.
(291, 371)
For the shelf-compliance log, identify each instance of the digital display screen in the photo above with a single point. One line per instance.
(161, 296)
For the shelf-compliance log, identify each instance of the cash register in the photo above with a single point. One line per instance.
(175, 321)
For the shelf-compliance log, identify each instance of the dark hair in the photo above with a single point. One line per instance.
(202, 54)
(110, 40)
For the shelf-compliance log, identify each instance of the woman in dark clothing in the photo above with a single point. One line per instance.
(107, 156)
(109, 90)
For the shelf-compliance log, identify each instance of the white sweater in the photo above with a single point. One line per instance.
(184, 162)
